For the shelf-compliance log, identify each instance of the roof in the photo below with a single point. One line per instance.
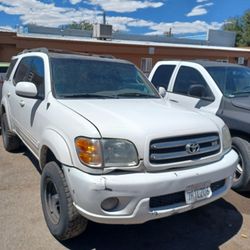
(57, 53)
(207, 63)
(126, 42)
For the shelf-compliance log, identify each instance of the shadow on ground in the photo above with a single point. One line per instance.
(26, 152)
(245, 194)
(204, 228)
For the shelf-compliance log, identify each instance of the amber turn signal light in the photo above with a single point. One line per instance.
(89, 151)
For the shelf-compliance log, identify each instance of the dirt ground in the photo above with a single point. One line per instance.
(224, 224)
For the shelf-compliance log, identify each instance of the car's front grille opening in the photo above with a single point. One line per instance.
(167, 200)
(177, 149)
(179, 197)
(217, 185)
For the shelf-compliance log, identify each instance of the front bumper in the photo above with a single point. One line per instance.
(134, 190)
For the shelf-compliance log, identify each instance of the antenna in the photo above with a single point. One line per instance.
(104, 17)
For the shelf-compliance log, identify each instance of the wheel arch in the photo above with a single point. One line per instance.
(3, 110)
(238, 133)
(54, 148)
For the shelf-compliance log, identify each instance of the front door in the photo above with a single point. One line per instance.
(25, 110)
(192, 91)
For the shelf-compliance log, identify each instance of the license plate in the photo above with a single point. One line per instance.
(198, 192)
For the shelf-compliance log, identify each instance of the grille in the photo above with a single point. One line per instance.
(175, 198)
(177, 149)
(217, 185)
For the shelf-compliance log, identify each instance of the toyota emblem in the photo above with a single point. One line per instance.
(192, 148)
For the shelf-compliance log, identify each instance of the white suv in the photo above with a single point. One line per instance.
(110, 148)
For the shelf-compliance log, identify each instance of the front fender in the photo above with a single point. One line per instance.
(5, 106)
(57, 144)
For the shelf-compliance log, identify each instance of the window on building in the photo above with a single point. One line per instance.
(146, 65)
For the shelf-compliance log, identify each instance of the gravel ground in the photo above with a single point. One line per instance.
(224, 224)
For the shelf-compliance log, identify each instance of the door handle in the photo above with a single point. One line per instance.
(172, 100)
(8, 94)
(22, 103)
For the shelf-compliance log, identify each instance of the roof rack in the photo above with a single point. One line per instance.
(60, 51)
(43, 49)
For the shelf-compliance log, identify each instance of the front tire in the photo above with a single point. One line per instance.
(242, 174)
(10, 141)
(62, 218)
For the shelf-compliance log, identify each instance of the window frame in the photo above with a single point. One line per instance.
(39, 96)
(170, 78)
(211, 96)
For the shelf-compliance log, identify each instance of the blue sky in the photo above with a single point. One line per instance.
(154, 17)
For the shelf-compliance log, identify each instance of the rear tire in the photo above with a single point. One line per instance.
(242, 173)
(62, 218)
(10, 141)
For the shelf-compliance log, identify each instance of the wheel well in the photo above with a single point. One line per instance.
(2, 110)
(237, 133)
(46, 156)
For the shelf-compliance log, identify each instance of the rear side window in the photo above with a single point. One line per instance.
(162, 76)
(12, 64)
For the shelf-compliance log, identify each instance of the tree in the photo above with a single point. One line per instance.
(241, 25)
(83, 25)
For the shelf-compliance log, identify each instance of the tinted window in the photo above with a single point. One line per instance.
(3, 69)
(162, 76)
(22, 70)
(31, 69)
(12, 64)
(232, 81)
(77, 77)
(36, 74)
(189, 78)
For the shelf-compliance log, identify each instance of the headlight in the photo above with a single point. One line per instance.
(106, 152)
(119, 153)
(226, 137)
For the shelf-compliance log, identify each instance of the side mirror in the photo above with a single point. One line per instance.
(162, 91)
(26, 89)
(197, 90)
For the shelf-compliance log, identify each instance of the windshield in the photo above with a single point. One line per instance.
(232, 81)
(82, 78)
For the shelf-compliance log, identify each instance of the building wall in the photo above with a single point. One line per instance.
(11, 44)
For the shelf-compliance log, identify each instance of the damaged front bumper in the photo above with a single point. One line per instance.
(137, 193)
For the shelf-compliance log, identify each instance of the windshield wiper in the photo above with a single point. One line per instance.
(134, 94)
(87, 95)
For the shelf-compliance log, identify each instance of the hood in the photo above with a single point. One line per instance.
(140, 120)
(241, 102)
